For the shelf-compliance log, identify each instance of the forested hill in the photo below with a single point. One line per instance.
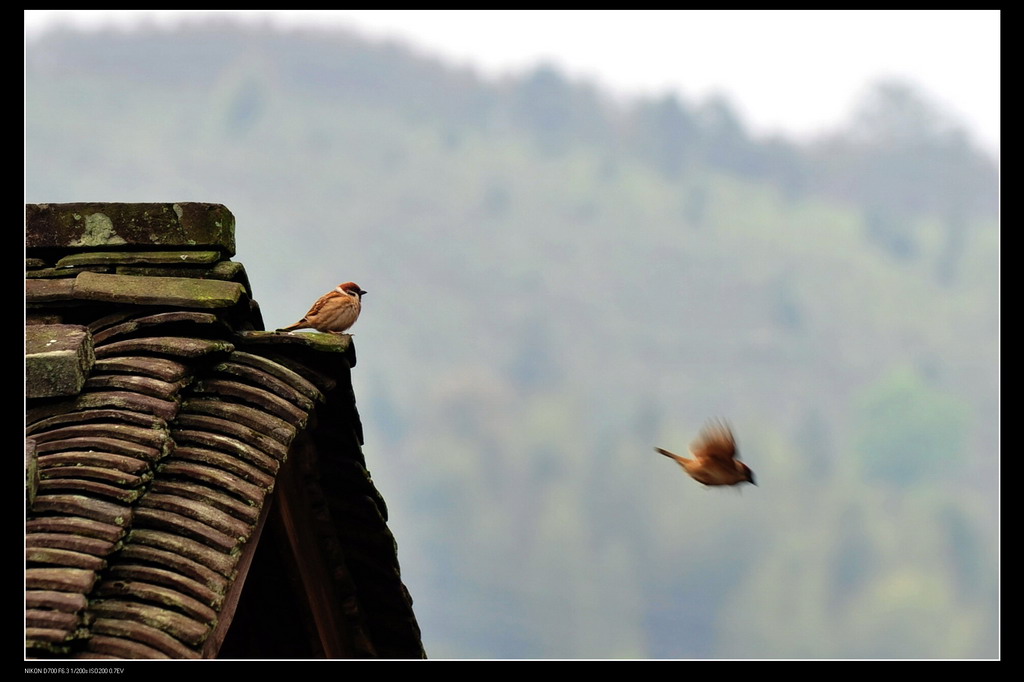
(898, 154)
(560, 279)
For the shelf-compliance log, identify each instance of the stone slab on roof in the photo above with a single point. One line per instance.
(170, 291)
(43, 291)
(58, 358)
(328, 343)
(193, 225)
(113, 258)
(89, 286)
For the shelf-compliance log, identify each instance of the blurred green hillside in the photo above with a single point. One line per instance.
(560, 280)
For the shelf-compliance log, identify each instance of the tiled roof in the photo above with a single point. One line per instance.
(168, 437)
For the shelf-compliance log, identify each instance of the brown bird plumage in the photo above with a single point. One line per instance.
(714, 457)
(334, 312)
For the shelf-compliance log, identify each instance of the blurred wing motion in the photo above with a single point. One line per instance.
(715, 443)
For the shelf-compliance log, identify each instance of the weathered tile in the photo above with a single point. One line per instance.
(224, 462)
(139, 434)
(126, 400)
(70, 273)
(102, 646)
(311, 348)
(82, 505)
(88, 487)
(76, 543)
(180, 626)
(228, 445)
(276, 369)
(214, 476)
(31, 471)
(174, 561)
(199, 511)
(63, 557)
(141, 633)
(145, 592)
(48, 638)
(118, 446)
(183, 319)
(68, 602)
(110, 476)
(161, 519)
(40, 291)
(265, 400)
(42, 419)
(157, 368)
(222, 563)
(62, 579)
(232, 428)
(74, 460)
(250, 417)
(226, 270)
(161, 576)
(166, 390)
(213, 497)
(112, 258)
(328, 343)
(45, 618)
(182, 292)
(257, 377)
(74, 525)
(175, 346)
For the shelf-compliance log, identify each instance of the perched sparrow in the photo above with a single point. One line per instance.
(334, 312)
(714, 457)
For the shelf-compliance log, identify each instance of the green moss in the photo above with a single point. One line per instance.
(99, 231)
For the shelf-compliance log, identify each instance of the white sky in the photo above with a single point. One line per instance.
(794, 71)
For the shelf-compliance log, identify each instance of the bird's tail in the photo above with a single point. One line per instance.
(298, 325)
(671, 455)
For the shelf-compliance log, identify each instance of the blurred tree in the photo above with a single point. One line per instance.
(557, 113)
(908, 432)
(903, 155)
(725, 142)
(895, 114)
(891, 229)
(665, 134)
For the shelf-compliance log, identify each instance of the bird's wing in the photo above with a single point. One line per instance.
(320, 302)
(716, 442)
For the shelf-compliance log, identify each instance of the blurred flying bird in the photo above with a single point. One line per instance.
(334, 312)
(714, 457)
